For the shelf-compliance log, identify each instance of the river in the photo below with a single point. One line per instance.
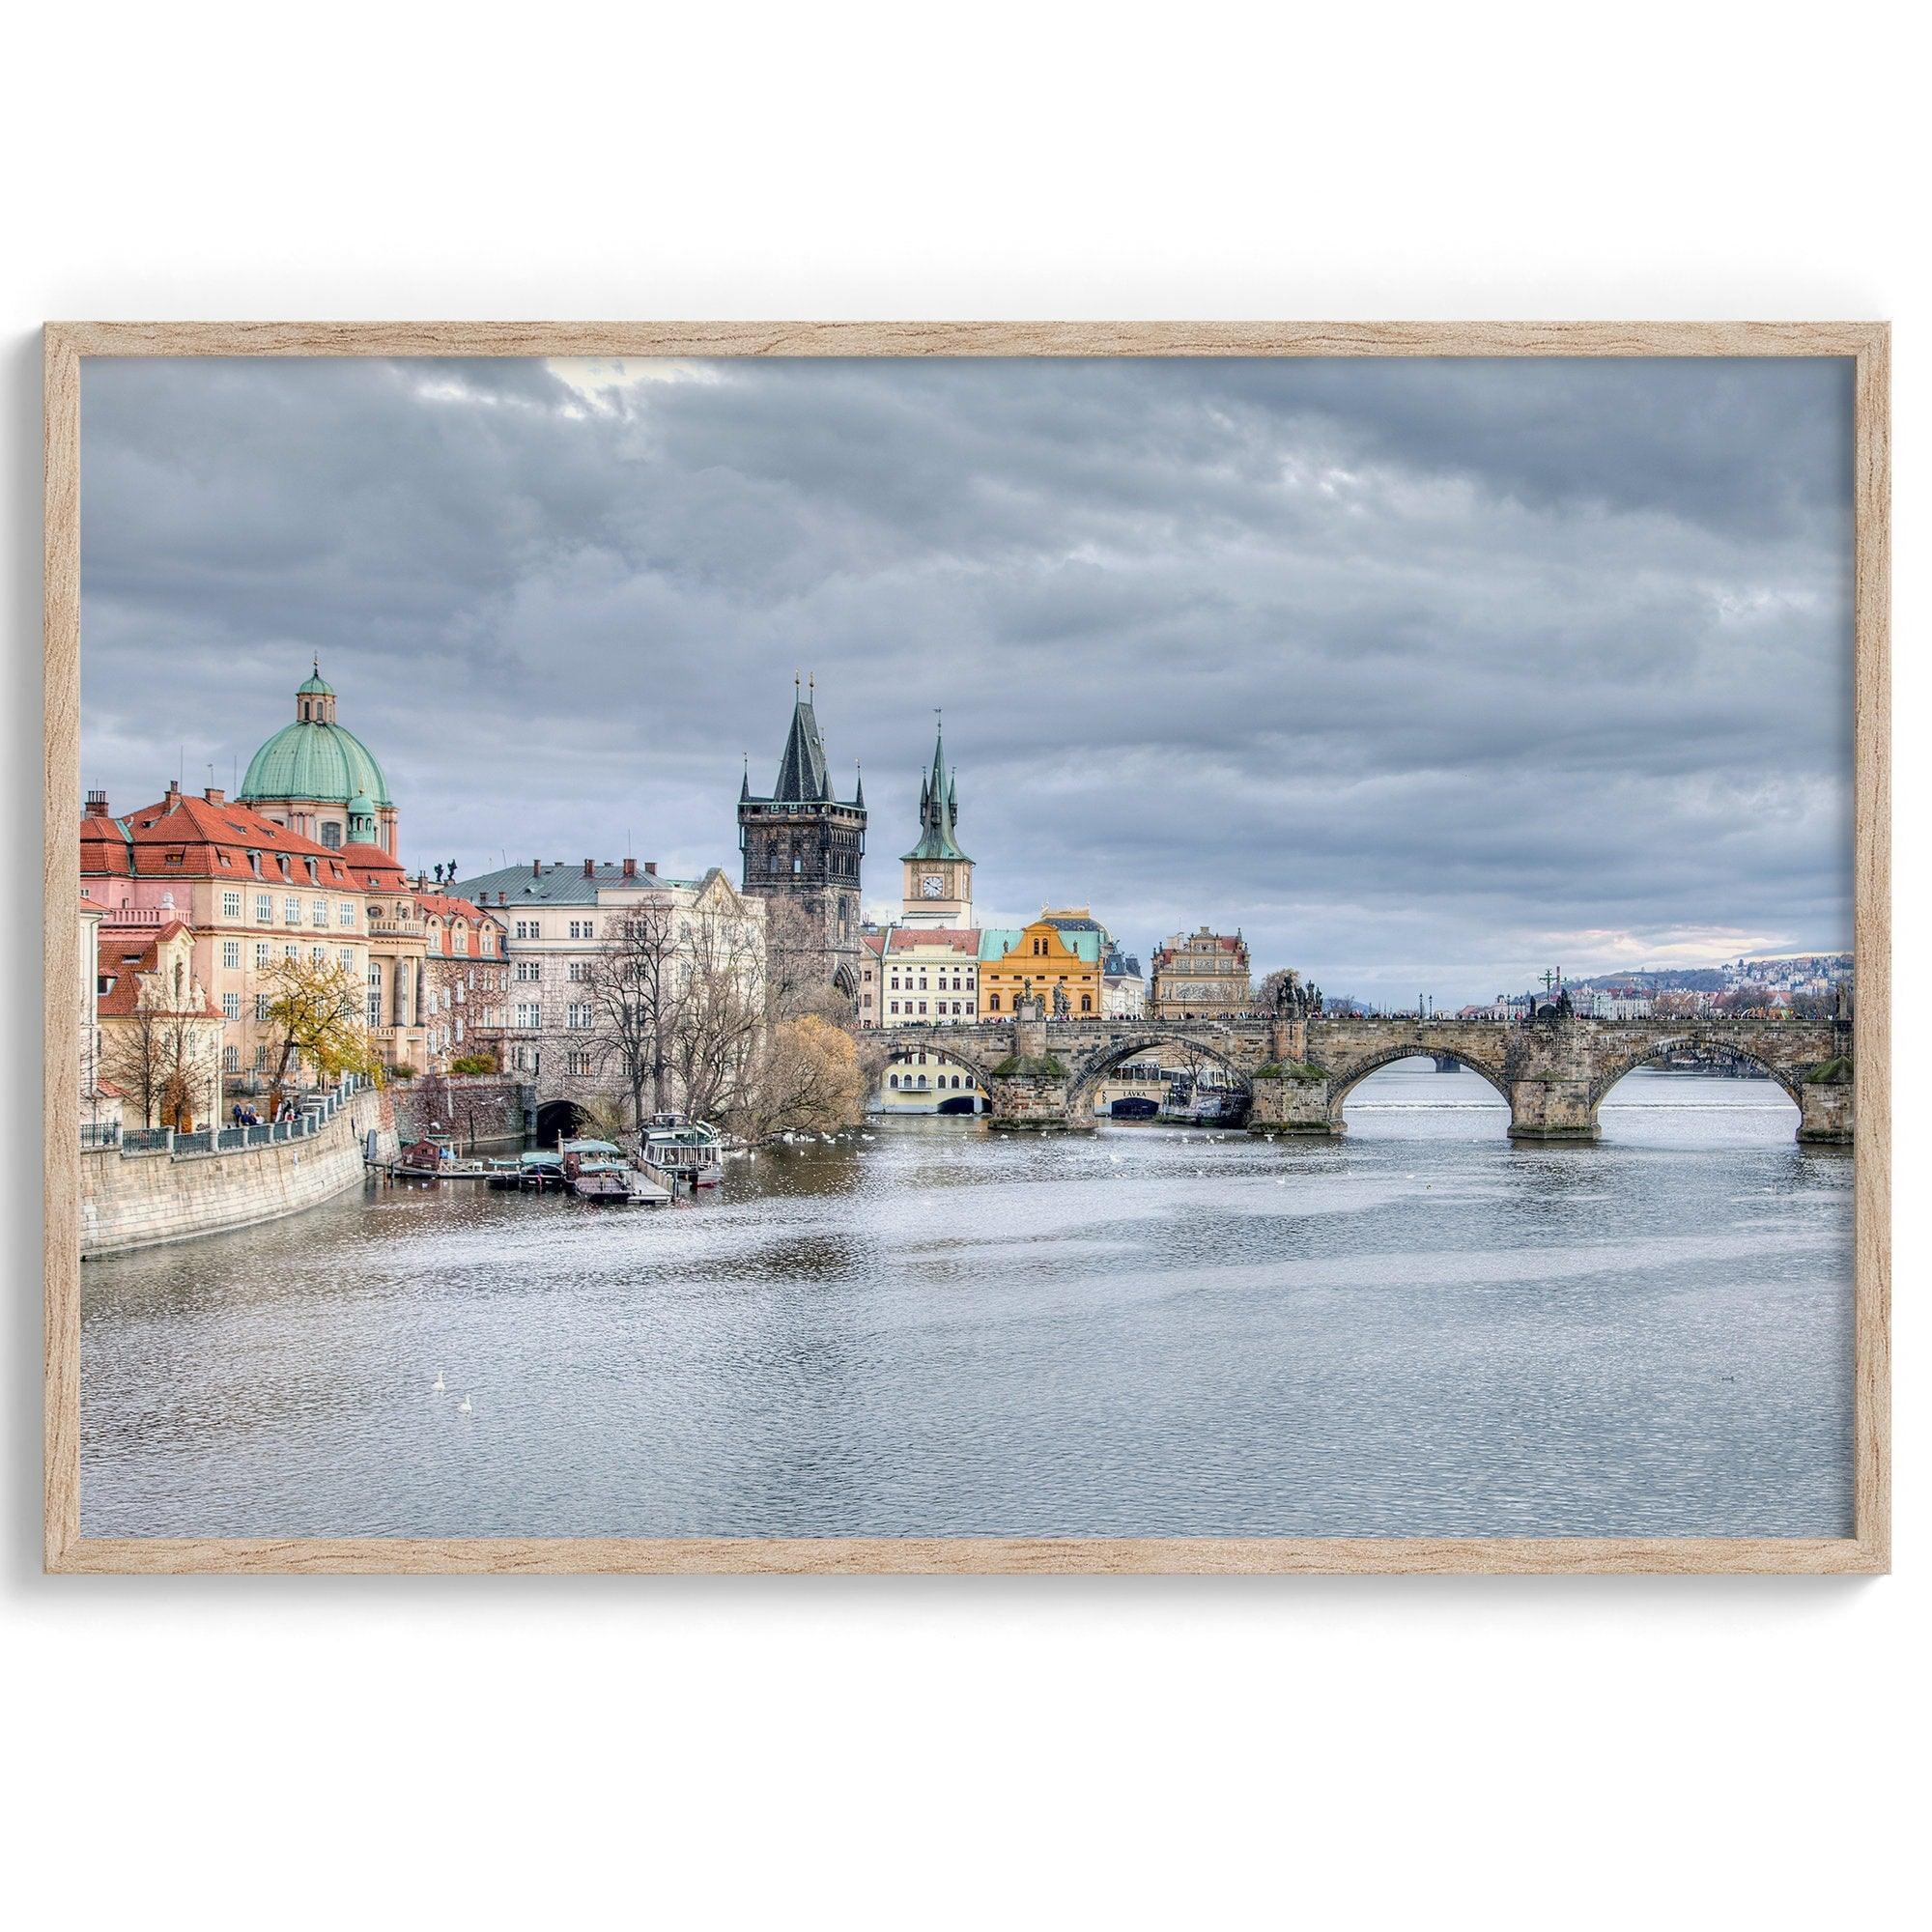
(929, 1329)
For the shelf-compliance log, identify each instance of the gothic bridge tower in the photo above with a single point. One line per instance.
(804, 847)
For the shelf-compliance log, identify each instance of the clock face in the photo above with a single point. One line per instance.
(932, 886)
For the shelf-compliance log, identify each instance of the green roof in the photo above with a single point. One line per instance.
(315, 686)
(997, 941)
(938, 811)
(314, 760)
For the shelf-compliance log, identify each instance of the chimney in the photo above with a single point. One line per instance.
(173, 797)
(650, 869)
(629, 868)
(590, 869)
(536, 868)
(96, 805)
(214, 795)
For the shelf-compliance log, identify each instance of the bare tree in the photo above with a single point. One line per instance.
(633, 988)
(722, 1012)
(794, 972)
(159, 1058)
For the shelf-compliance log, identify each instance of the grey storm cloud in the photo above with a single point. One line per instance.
(1426, 673)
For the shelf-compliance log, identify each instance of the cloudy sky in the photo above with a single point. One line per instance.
(1427, 674)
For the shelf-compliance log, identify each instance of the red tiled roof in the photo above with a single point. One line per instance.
(372, 867)
(441, 906)
(186, 837)
(905, 938)
(121, 961)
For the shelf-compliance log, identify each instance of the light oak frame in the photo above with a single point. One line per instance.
(1866, 1552)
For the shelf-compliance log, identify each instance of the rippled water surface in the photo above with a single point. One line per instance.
(928, 1329)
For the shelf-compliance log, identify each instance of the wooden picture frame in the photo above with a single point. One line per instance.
(1866, 1552)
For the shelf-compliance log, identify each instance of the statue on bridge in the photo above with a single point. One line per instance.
(1062, 1007)
(1291, 1000)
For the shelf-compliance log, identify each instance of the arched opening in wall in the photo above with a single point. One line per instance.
(1685, 1095)
(1424, 1096)
(558, 1120)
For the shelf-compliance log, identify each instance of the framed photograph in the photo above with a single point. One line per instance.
(982, 947)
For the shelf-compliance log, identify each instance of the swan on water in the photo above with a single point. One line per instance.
(462, 1407)
(439, 1387)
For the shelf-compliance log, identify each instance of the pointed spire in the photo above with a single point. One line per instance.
(745, 782)
(858, 796)
(802, 775)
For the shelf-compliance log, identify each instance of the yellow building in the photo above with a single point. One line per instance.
(1044, 960)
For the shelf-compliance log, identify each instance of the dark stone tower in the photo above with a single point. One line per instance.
(805, 847)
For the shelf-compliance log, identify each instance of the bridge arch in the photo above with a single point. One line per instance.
(1607, 1075)
(901, 1044)
(1343, 1081)
(1086, 1077)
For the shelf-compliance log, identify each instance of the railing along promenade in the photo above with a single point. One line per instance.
(313, 1111)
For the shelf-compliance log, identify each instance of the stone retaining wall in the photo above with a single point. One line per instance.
(141, 1200)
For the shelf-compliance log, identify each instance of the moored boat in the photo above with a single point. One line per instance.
(691, 1150)
(597, 1171)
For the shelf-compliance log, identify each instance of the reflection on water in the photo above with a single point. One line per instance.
(929, 1329)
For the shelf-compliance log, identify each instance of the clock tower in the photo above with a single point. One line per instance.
(938, 874)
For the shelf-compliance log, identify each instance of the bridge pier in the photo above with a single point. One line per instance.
(1825, 1113)
(1285, 1104)
(1552, 1110)
(1034, 1104)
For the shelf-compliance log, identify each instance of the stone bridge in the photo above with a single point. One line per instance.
(1553, 1074)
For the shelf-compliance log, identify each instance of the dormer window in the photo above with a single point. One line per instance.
(255, 863)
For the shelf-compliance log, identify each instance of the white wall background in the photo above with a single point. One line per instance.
(932, 1753)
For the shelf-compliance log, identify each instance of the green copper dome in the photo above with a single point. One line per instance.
(315, 760)
(315, 757)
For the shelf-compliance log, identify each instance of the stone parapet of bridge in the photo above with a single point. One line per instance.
(1552, 1075)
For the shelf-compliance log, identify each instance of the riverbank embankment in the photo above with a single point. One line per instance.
(140, 1198)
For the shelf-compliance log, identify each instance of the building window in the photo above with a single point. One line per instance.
(260, 1059)
(345, 959)
(262, 952)
(894, 1082)
(231, 1006)
(993, 1004)
(230, 1060)
(896, 1005)
(374, 1009)
(317, 955)
(331, 836)
(344, 913)
(578, 1013)
(264, 908)
(577, 970)
(529, 969)
(1086, 1002)
(231, 905)
(488, 939)
(231, 953)
(292, 912)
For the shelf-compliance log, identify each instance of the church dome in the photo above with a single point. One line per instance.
(316, 758)
(317, 761)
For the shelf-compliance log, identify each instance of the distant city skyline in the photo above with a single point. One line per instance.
(1424, 675)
